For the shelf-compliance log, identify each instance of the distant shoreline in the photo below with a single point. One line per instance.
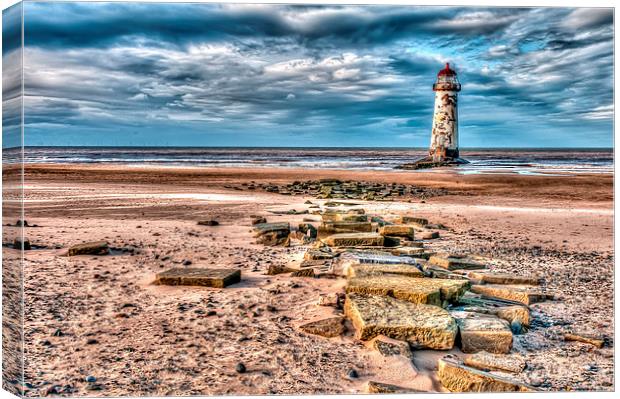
(462, 149)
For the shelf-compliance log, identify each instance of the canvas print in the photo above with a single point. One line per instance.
(261, 199)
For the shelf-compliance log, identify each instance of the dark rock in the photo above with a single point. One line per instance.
(258, 220)
(23, 244)
(208, 223)
(352, 374)
(90, 248)
(240, 368)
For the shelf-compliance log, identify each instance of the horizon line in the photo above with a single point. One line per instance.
(309, 147)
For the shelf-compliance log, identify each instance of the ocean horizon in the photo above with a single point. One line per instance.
(482, 160)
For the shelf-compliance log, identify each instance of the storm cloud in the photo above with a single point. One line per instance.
(227, 74)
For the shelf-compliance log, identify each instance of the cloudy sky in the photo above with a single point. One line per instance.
(278, 75)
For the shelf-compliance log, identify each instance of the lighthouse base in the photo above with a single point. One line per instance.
(429, 162)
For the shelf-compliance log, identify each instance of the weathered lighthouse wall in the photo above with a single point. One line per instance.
(445, 122)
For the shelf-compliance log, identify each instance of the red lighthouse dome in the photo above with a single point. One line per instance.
(447, 71)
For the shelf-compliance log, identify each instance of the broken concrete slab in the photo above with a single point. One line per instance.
(373, 269)
(524, 294)
(452, 262)
(279, 269)
(329, 327)
(381, 387)
(455, 376)
(355, 240)
(329, 228)
(481, 332)
(397, 231)
(428, 235)
(422, 326)
(318, 254)
(413, 244)
(387, 346)
(306, 272)
(489, 361)
(407, 251)
(351, 218)
(335, 299)
(432, 291)
(264, 228)
(513, 312)
(412, 220)
(438, 292)
(585, 338)
(439, 272)
(400, 287)
(89, 248)
(376, 255)
(203, 277)
(338, 215)
(504, 278)
(272, 234)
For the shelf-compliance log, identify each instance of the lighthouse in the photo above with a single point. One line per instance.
(444, 148)
(445, 134)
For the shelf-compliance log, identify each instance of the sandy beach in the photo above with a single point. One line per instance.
(101, 316)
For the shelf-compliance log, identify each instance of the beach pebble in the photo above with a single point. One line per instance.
(91, 378)
(352, 374)
(240, 368)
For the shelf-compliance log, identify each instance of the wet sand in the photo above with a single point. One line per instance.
(100, 316)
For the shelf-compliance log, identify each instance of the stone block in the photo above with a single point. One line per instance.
(392, 347)
(305, 272)
(524, 294)
(422, 326)
(89, 248)
(455, 376)
(438, 292)
(373, 269)
(355, 240)
(279, 269)
(329, 327)
(412, 220)
(317, 254)
(451, 262)
(482, 332)
(329, 228)
(272, 234)
(381, 387)
(428, 235)
(504, 278)
(586, 339)
(512, 313)
(397, 231)
(204, 277)
(490, 361)
(407, 251)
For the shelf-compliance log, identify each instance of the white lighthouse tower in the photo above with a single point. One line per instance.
(445, 134)
(444, 149)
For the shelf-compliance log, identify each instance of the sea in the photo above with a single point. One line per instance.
(555, 161)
